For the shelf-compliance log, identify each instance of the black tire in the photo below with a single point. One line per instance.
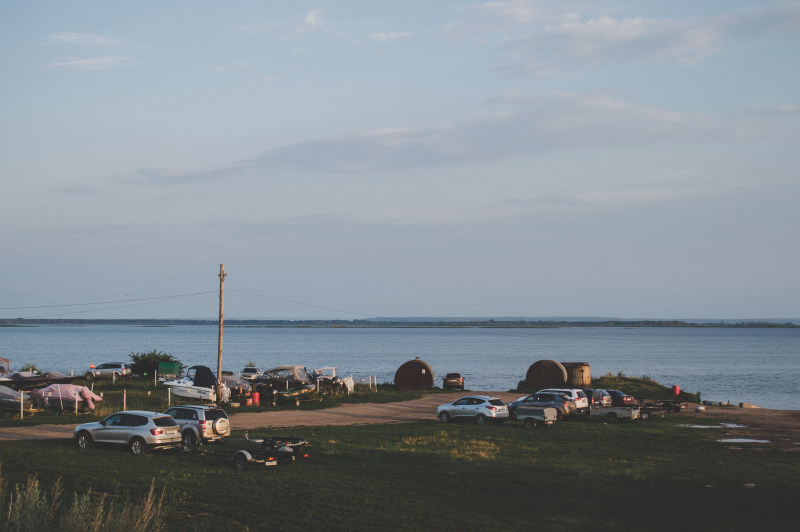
(89, 376)
(83, 440)
(240, 462)
(559, 415)
(611, 417)
(137, 446)
(530, 423)
(189, 441)
(481, 419)
(645, 415)
(444, 417)
(513, 414)
(297, 401)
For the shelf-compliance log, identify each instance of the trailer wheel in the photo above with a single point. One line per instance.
(611, 417)
(530, 423)
(240, 462)
(297, 401)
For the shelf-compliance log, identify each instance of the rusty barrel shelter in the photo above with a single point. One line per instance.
(413, 376)
(551, 374)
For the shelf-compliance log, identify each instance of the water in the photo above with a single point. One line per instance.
(759, 365)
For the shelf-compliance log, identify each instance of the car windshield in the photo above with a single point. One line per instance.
(164, 421)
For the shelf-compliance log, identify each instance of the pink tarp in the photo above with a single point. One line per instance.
(56, 394)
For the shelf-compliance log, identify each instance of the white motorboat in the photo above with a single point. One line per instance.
(198, 383)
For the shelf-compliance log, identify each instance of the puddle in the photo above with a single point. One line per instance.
(742, 440)
(720, 426)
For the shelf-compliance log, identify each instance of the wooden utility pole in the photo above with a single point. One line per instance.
(219, 344)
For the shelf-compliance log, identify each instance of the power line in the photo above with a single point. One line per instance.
(110, 302)
(283, 300)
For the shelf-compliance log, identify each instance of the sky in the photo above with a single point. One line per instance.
(359, 159)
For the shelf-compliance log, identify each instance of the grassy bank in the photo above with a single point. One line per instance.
(657, 475)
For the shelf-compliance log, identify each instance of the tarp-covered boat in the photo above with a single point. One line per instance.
(64, 397)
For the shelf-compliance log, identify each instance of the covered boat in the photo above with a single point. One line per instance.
(10, 399)
(199, 383)
(56, 377)
(65, 397)
(26, 380)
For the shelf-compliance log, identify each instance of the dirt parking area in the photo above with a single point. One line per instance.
(781, 428)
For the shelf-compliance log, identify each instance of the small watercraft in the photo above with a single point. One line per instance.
(198, 383)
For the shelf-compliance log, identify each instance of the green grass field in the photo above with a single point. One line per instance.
(576, 475)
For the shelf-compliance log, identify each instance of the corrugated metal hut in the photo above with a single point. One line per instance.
(545, 374)
(579, 374)
(414, 376)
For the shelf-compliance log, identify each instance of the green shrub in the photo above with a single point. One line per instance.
(147, 363)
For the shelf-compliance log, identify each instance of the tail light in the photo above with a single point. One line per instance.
(156, 432)
(203, 426)
(492, 408)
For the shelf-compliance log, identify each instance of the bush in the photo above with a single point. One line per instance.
(147, 363)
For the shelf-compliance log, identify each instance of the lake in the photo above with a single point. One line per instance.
(753, 365)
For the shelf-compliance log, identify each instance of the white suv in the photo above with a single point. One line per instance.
(575, 394)
(200, 423)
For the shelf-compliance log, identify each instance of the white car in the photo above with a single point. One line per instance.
(575, 394)
(250, 373)
(479, 408)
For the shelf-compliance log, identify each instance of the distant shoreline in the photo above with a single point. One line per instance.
(409, 323)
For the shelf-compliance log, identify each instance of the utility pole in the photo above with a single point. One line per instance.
(222, 275)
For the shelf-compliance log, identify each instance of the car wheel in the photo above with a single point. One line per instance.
(559, 415)
(137, 446)
(189, 441)
(240, 462)
(481, 419)
(513, 414)
(89, 376)
(297, 401)
(529, 423)
(84, 441)
(444, 417)
(645, 415)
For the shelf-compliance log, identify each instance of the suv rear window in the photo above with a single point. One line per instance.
(497, 402)
(215, 414)
(164, 421)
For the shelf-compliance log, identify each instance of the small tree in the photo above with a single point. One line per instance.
(147, 363)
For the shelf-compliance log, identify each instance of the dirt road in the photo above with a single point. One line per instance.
(780, 427)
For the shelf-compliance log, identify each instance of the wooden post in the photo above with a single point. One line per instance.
(124, 399)
(21, 404)
(219, 343)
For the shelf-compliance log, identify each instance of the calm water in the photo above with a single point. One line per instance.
(760, 366)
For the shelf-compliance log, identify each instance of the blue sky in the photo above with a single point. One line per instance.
(356, 159)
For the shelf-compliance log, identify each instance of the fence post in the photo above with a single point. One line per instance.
(21, 405)
(124, 399)
(169, 397)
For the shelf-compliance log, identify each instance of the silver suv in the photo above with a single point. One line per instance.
(200, 423)
(109, 370)
(575, 394)
(136, 429)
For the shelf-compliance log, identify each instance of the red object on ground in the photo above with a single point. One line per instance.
(676, 390)
(256, 398)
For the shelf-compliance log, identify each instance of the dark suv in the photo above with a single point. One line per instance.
(453, 380)
(200, 423)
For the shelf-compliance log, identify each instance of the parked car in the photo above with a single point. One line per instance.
(136, 429)
(109, 370)
(563, 406)
(250, 373)
(577, 395)
(453, 380)
(200, 423)
(598, 397)
(619, 398)
(479, 408)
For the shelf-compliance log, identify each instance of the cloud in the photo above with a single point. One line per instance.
(388, 37)
(554, 122)
(83, 39)
(258, 81)
(310, 22)
(94, 63)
